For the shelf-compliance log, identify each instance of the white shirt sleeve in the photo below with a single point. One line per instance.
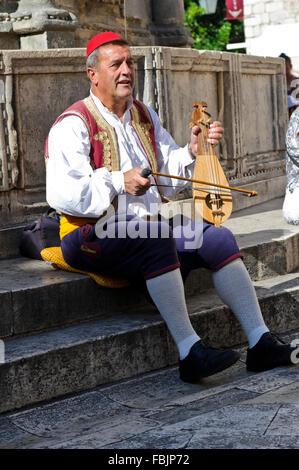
(171, 159)
(73, 187)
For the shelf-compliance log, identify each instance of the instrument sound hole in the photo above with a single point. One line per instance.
(214, 201)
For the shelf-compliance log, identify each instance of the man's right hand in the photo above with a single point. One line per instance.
(136, 184)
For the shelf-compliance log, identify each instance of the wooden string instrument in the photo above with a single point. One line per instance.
(213, 199)
(212, 203)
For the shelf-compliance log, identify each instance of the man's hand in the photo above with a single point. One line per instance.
(136, 184)
(214, 136)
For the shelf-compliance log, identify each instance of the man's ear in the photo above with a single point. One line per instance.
(92, 73)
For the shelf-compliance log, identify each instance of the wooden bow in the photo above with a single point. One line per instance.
(146, 172)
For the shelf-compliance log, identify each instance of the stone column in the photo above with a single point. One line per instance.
(42, 26)
(168, 28)
(137, 21)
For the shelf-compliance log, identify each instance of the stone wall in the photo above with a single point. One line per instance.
(244, 92)
(272, 27)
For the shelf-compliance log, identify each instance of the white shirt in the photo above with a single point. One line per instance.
(74, 188)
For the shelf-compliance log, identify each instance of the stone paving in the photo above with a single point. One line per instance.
(234, 409)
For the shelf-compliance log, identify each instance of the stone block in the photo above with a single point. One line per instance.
(278, 17)
(258, 8)
(274, 6)
(36, 297)
(247, 10)
(9, 241)
(252, 21)
(265, 18)
(249, 31)
(48, 40)
(257, 30)
(252, 2)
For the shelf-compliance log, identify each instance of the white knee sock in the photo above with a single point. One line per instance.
(234, 287)
(167, 291)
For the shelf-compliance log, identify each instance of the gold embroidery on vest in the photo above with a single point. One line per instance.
(102, 136)
(107, 136)
(142, 130)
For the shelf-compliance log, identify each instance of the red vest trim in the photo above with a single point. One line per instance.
(104, 147)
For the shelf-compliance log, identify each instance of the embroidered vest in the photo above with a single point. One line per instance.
(103, 139)
(104, 147)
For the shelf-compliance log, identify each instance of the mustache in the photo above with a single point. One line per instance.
(125, 77)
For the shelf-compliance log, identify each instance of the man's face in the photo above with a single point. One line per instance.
(115, 76)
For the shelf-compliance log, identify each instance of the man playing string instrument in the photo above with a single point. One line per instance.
(96, 151)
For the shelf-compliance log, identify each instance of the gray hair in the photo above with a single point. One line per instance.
(93, 59)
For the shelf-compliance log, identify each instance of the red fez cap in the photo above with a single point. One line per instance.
(101, 39)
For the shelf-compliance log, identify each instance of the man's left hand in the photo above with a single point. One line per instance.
(214, 136)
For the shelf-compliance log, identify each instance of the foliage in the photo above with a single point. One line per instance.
(212, 32)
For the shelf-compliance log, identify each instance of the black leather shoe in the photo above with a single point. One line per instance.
(268, 353)
(203, 361)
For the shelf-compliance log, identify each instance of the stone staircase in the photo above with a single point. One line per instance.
(63, 333)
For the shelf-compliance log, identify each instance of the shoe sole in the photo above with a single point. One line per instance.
(220, 368)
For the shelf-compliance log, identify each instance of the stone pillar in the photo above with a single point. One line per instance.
(137, 21)
(42, 26)
(168, 24)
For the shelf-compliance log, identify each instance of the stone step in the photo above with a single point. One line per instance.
(34, 297)
(81, 357)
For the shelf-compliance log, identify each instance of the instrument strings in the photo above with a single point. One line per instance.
(213, 169)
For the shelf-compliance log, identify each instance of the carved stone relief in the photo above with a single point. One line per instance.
(245, 93)
(8, 137)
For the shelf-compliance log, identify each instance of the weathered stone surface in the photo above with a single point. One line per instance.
(8, 39)
(77, 358)
(9, 241)
(94, 435)
(47, 40)
(158, 411)
(49, 419)
(153, 440)
(6, 319)
(282, 394)
(232, 418)
(204, 405)
(10, 433)
(272, 380)
(141, 22)
(244, 441)
(35, 16)
(36, 297)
